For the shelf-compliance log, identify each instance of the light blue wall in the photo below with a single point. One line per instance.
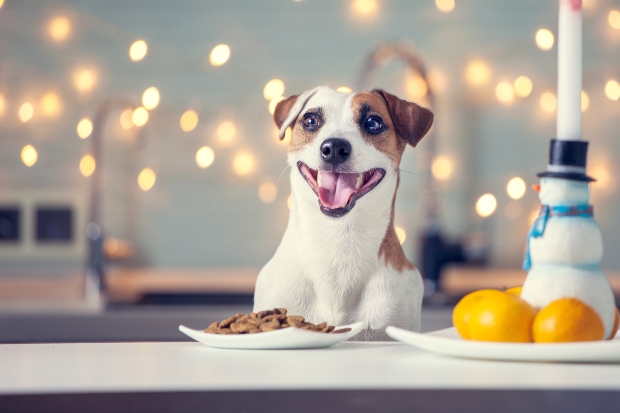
(197, 218)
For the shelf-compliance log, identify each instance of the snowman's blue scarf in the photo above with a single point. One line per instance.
(546, 211)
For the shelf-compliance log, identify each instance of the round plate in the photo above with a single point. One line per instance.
(286, 338)
(448, 342)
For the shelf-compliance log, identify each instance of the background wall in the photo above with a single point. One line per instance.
(195, 217)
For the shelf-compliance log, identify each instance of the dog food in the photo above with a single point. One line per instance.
(269, 320)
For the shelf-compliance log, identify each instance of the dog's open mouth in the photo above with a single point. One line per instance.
(337, 192)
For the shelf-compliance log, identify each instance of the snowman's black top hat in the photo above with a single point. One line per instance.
(567, 160)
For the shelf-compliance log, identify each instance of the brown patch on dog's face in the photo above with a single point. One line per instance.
(306, 128)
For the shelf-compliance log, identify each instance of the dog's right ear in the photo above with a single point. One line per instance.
(286, 111)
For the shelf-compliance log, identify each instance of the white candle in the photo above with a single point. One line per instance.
(569, 70)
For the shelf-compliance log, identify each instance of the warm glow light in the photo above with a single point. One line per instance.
(50, 104)
(504, 92)
(274, 103)
(612, 90)
(29, 155)
(140, 116)
(226, 131)
(189, 120)
(138, 50)
(243, 163)
(146, 179)
(477, 72)
(585, 101)
(444, 6)
(84, 79)
(523, 86)
(603, 177)
(150, 98)
(84, 128)
(548, 102)
(437, 80)
(614, 19)
(401, 234)
(205, 157)
(59, 28)
(26, 111)
(267, 192)
(273, 89)
(219, 55)
(516, 188)
(344, 89)
(87, 165)
(287, 136)
(441, 168)
(1, 3)
(544, 39)
(289, 201)
(415, 86)
(2, 103)
(486, 205)
(126, 119)
(365, 7)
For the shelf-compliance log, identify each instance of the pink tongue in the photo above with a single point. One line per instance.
(336, 189)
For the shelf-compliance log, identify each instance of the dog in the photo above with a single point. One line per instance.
(340, 260)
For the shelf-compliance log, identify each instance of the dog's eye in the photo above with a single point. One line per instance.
(373, 124)
(311, 122)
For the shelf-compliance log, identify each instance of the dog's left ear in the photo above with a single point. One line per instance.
(411, 121)
(286, 111)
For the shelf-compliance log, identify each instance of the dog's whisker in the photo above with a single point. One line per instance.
(284, 170)
(412, 173)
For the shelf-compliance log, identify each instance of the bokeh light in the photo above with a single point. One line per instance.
(516, 188)
(585, 101)
(365, 7)
(544, 39)
(189, 120)
(289, 201)
(243, 164)
(267, 192)
(612, 90)
(273, 89)
(219, 55)
(614, 19)
(87, 165)
(59, 28)
(444, 6)
(344, 89)
(29, 155)
(441, 168)
(126, 119)
(2, 104)
(415, 86)
(477, 72)
(504, 92)
(84, 128)
(523, 86)
(274, 103)
(226, 132)
(84, 80)
(138, 50)
(205, 157)
(1, 3)
(146, 179)
(401, 234)
(548, 102)
(26, 112)
(50, 104)
(150, 98)
(486, 205)
(140, 116)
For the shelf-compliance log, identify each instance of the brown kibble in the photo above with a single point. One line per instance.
(213, 328)
(322, 325)
(228, 321)
(270, 326)
(253, 315)
(328, 329)
(241, 328)
(225, 331)
(296, 318)
(342, 330)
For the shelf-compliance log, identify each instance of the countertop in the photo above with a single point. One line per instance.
(367, 377)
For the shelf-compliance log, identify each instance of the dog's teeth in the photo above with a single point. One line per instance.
(359, 180)
(319, 178)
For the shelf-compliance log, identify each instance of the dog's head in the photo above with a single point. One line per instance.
(345, 144)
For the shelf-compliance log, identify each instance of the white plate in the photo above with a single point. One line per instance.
(286, 338)
(448, 342)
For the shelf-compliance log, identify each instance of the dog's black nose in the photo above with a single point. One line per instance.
(335, 150)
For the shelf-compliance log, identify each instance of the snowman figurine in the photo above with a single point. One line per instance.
(565, 245)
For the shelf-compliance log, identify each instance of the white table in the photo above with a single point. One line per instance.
(373, 377)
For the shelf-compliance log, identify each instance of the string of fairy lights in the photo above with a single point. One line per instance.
(477, 73)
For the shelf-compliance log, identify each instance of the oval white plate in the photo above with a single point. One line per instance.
(448, 342)
(287, 338)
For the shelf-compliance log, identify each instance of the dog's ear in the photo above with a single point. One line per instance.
(286, 111)
(411, 121)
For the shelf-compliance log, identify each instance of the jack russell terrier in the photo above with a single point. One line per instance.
(340, 260)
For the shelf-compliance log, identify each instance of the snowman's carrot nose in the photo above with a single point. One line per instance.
(536, 187)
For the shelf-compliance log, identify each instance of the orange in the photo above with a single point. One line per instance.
(462, 311)
(502, 317)
(567, 320)
(515, 290)
(614, 329)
